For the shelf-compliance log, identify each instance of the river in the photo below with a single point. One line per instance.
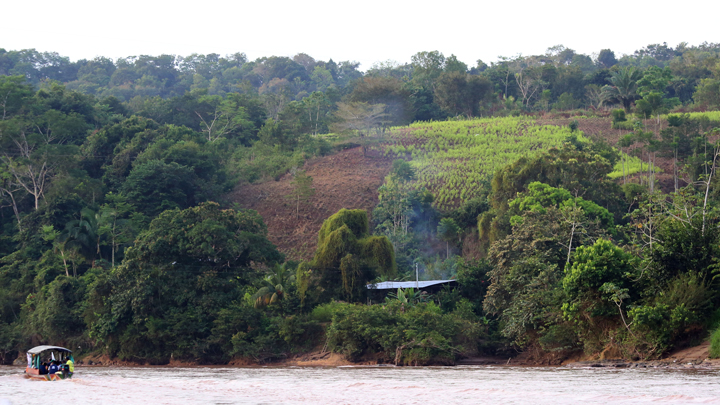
(363, 385)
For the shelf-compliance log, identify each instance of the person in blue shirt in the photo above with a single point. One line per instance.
(43, 368)
(53, 368)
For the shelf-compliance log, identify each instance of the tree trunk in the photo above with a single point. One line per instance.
(62, 254)
(14, 206)
(707, 186)
(572, 235)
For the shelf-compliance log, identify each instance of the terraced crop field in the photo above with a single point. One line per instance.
(453, 158)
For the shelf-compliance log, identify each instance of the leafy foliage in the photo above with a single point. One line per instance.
(348, 257)
(194, 263)
(415, 335)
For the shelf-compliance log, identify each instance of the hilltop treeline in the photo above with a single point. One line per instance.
(431, 86)
(117, 236)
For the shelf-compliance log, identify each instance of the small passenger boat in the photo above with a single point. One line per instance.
(50, 363)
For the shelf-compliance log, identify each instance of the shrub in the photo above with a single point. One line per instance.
(574, 124)
(421, 334)
(626, 125)
(618, 116)
(323, 313)
(677, 312)
(715, 344)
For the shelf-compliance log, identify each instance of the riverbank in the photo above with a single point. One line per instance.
(689, 358)
(696, 357)
(686, 358)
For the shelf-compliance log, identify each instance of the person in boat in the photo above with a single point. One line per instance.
(53, 367)
(70, 366)
(43, 368)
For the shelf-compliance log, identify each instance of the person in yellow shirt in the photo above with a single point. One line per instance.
(71, 365)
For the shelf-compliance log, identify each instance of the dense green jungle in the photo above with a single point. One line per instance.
(118, 239)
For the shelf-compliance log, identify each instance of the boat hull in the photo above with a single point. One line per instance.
(34, 374)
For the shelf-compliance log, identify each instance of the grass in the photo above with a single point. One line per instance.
(711, 115)
(632, 165)
(715, 344)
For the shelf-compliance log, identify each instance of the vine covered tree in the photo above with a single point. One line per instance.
(348, 257)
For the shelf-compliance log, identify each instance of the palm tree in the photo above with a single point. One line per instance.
(83, 232)
(274, 287)
(623, 88)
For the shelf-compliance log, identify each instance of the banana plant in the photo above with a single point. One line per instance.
(408, 296)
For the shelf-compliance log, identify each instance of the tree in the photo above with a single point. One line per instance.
(302, 190)
(8, 191)
(273, 134)
(275, 94)
(348, 257)
(275, 286)
(394, 211)
(156, 186)
(178, 277)
(448, 231)
(317, 106)
(452, 64)
(529, 80)
(606, 59)
(404, 214)
(427, 66)
(594, 95)
(582, 173)
(32, 164)
(59, 242)
(652, 87)
(581, 217)
(597, 281)
(114, 223)
(229, 116)
(83, 233)
(13, 93)
(388, 91)
(525, 278)
(461, 93)
(623, 86)
(707, 93)
(360, 118)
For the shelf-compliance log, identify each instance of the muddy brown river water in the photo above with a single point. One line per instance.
(363, 385)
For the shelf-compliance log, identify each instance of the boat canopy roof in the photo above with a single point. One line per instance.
(40, 349)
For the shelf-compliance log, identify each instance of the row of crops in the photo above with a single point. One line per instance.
(711, 115)
(453, 158)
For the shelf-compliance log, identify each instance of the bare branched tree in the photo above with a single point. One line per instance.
(29, 169)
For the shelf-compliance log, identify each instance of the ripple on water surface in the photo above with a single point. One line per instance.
(362, 385)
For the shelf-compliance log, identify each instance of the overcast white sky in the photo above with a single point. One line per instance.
(367, 31)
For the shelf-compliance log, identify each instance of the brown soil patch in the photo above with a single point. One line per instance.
(344, 180)
(320, 359)
(694, 354)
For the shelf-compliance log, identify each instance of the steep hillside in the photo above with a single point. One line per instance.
(343, 180)
(450, 163)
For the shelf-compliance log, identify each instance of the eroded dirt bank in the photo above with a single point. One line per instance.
(696, 357)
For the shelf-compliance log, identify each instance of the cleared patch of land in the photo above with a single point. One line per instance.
(347, 179)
